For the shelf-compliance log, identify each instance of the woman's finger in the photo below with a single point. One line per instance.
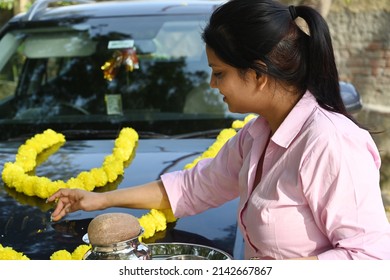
(59, 214)
(58, 194)
(59, 211)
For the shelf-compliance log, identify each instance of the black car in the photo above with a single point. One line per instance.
(89, 70)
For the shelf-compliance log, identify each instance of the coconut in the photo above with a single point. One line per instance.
(110, 228)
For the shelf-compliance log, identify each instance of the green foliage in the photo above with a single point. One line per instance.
(6, 4)
(12, 4)
(9, 4)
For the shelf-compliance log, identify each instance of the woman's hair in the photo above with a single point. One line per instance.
(262, 35)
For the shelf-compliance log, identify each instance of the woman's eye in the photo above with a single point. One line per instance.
(217, 74)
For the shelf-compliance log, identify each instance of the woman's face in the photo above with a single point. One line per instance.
(240, 93)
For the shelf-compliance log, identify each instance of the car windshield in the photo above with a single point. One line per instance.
(149, 73)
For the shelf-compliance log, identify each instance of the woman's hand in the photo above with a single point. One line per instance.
(71, 200)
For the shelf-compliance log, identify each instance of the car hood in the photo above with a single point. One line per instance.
(214, 227)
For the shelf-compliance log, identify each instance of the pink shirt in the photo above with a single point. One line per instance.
(319, 193)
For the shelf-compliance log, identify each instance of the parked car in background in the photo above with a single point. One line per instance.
(90, 69)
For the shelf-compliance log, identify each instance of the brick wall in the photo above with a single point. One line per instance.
(361, 39)
(362, 49)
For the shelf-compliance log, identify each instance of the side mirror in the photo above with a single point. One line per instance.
(351, 97)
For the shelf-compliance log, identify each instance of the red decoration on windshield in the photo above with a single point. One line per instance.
(127, 58)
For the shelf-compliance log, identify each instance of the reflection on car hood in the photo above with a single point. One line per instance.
(215, 227)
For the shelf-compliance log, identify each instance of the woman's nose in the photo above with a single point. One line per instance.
(212, 82)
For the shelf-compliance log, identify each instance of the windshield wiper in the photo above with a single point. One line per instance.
(108, 134)
(85, 134)
(211, 133)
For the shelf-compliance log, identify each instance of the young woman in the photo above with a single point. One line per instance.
(306, 173)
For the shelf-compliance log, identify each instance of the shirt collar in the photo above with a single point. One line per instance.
(295, 120)
(291, 125)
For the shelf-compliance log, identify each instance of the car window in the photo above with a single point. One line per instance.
(11, 62)
(128, 70)
(66, 44)
(180, 39)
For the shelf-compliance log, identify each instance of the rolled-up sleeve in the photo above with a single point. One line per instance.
(210, 183)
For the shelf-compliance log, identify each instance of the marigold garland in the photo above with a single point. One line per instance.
(16, 175)
(26, 161)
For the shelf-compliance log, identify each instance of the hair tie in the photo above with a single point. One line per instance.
(293, 12)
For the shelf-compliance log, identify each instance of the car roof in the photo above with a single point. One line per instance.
(42, 11)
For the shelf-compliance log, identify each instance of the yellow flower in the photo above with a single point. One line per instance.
(77, 254)
(99, 176)
(74, 183)
(237, 124)
(159, 219)
(27, 184)
(87, 180)
(121, 154)
(146, 221)
(80, 251)
(213, 150)
(61, 255)
(112, 167)
(26, 158)
(7, 253)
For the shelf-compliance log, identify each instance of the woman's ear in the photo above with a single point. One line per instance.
(262, 81)
(261, 78)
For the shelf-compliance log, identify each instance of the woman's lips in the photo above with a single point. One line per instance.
(223, 97)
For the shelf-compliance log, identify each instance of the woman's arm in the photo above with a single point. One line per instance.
(151, 195)
(344, 195)
(147, 196)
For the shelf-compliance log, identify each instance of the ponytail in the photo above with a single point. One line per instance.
(322, 75)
